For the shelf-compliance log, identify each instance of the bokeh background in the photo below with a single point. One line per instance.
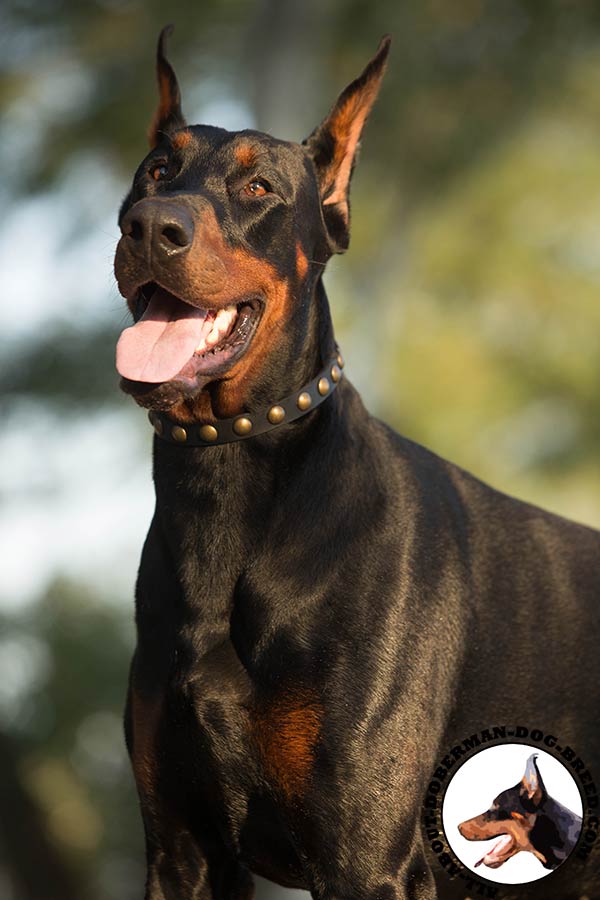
(467, 308)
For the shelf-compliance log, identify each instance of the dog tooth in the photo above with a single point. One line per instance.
(221, 325)
(205, 331)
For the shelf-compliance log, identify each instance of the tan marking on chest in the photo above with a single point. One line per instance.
(287, 731)
(145, 716)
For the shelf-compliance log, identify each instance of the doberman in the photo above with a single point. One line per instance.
(322, 606)
(528, 819)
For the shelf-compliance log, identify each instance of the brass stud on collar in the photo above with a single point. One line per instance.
(323, 386)
(179, 434)
(208, 433)
(340, 361)
(336, 374)
(304, 401)
(242, 425)
(276, 415)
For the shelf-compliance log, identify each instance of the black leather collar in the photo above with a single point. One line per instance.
(246, 425)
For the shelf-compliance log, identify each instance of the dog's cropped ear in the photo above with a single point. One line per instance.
(334, 143)
(168, 116)
(532, 787)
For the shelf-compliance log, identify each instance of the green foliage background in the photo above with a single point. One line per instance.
(466, 307)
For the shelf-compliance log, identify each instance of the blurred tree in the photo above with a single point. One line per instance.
(67, 798)
(24, 839)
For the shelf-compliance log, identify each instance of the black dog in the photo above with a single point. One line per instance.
(322, 606)
(529, 820)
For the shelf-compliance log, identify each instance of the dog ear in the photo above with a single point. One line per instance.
(168, 116)
(533, 790)
(334, 143)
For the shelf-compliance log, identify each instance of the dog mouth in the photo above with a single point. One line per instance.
(173, 340)
(499, 853)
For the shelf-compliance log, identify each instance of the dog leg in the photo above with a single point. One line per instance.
(181, 865)
(414, 882)
(180, 869)
(347, 869)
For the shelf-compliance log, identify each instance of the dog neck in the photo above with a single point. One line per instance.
(218, 507)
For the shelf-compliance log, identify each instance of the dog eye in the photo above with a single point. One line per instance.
(159, 172)
(257, 188)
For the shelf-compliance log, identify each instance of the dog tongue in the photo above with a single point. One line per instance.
(492, 855)
(161, 343)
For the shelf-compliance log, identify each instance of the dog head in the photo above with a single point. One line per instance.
(512, 816)
(224, 239)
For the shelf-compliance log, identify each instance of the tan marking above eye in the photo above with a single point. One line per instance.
(245, 156)
(181, 140)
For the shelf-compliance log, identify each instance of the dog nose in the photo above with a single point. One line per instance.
(157, 229)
